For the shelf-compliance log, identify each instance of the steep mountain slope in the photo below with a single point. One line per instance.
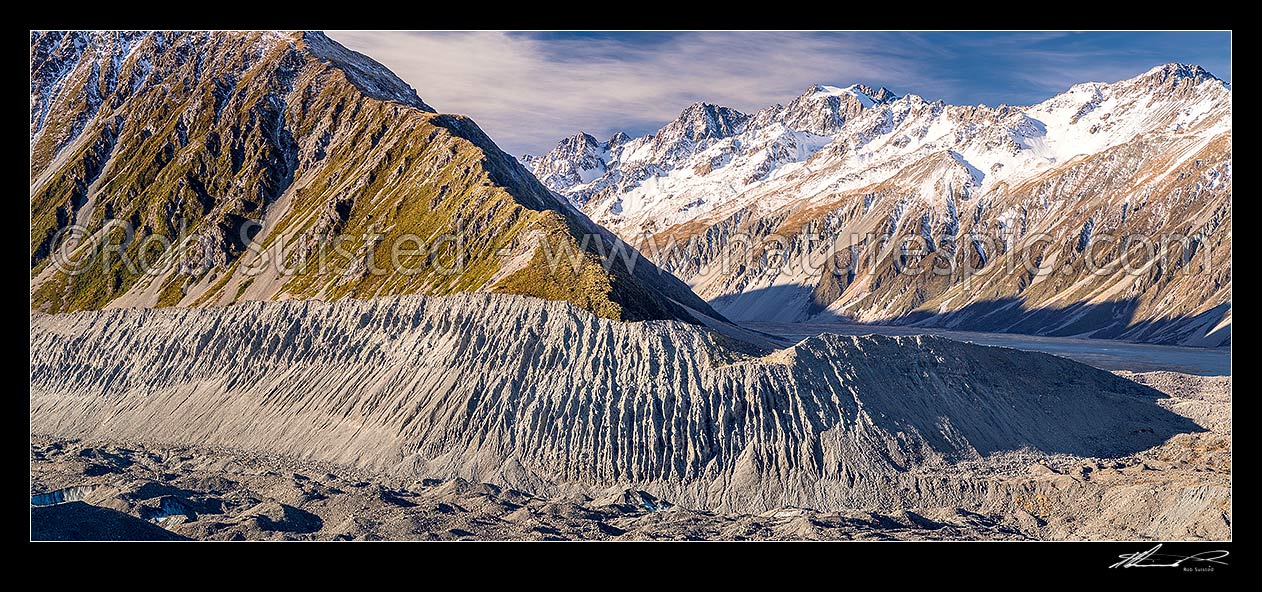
(1026, 209)
(577, 159)
(547, 398)
(266, 166)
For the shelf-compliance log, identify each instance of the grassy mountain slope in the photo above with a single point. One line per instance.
(230, 161)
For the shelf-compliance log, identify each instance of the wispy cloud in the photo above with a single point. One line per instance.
(529, 89)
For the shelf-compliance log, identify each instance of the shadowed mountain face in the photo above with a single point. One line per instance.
(1112, 319)
(1107, 195)
(199, 169)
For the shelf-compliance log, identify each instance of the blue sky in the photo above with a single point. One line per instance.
(529, 89)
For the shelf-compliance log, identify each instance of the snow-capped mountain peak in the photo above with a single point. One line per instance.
(701, 121)
(577, 159)
(1177, 72)
(828, 91)
(879, 95)
(578, 143)
(1081, 162)
(847, 137)
(866, 95)
(823, 109)
(580, 166)
(617, 139)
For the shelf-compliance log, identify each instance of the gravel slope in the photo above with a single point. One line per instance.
(552, 400)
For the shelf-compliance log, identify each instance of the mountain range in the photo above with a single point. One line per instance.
(196, 366)
(1046, 219)
(239, 149)
(229, 160)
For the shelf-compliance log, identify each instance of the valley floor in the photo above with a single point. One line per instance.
(127, 490)
(1106, 354)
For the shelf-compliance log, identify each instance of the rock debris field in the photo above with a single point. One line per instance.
(501, 417)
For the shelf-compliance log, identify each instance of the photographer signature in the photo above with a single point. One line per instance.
(1151, 558)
